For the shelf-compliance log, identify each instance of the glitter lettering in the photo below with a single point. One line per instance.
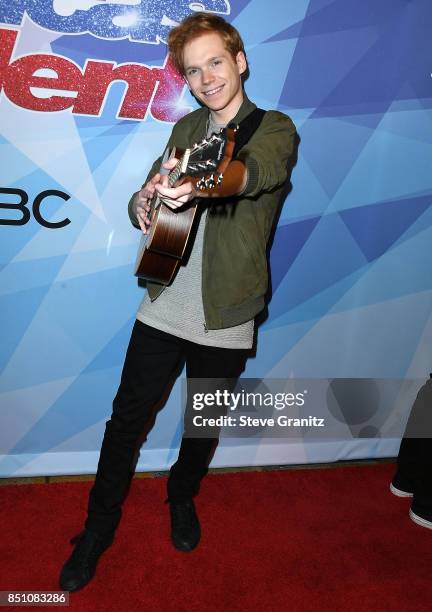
(148, 21)
(153, 89)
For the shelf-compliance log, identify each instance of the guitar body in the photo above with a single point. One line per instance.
(157, 268)
(170, 230)
(161, 251)
(164, 248)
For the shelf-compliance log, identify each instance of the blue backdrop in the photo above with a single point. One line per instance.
(351, 259)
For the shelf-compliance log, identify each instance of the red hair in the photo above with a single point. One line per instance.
(196, 25)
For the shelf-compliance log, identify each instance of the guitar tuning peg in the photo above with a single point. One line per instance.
(220, 179)
(201, 184)
(210, 182)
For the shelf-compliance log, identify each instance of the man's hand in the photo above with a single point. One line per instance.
(141, 206)
(174, 197)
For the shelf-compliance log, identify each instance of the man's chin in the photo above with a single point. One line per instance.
(215, 105)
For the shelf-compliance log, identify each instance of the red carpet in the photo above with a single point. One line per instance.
(318, 540)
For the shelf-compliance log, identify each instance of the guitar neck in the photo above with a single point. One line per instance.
(173, 177)
(180, 168)
(175, 173)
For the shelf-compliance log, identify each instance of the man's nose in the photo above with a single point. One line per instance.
(206, 76)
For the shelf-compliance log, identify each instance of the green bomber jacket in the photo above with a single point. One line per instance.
(234, 266)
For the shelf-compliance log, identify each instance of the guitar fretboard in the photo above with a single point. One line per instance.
(175, 173)
(172, 178)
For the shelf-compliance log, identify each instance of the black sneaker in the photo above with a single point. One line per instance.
(402, 486)
(185, 527)
(421, 515)
(80, 568)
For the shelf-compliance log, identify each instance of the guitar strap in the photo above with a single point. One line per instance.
(247, 128)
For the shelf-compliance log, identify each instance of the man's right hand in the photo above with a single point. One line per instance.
(141, 205)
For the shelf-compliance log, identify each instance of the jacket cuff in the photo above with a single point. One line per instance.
(252, 175)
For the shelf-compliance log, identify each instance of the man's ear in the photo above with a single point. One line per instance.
(241, 62)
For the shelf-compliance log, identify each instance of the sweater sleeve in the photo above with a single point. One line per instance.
(267, 154)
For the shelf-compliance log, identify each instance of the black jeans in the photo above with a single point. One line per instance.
(152, 361)
(415, 453)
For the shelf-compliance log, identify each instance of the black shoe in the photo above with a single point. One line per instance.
(185, 527)
(80, 568)
(401, 485)
(421, 513)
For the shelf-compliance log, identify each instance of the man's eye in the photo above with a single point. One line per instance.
(216, 62)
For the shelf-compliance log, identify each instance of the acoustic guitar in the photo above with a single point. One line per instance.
(161, 250)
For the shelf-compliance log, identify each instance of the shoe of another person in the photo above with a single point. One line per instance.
(421, 515)
(185, 527)
(401, 486)
(80, 568)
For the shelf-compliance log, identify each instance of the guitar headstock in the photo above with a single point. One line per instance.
(208, 159)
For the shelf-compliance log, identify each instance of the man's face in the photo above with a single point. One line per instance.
(213, 75)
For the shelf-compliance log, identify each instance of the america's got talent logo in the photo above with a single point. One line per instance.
(47, 82)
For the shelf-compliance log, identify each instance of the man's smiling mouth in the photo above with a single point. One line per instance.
(212, 92)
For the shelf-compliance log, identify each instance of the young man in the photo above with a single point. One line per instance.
(205, 318)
